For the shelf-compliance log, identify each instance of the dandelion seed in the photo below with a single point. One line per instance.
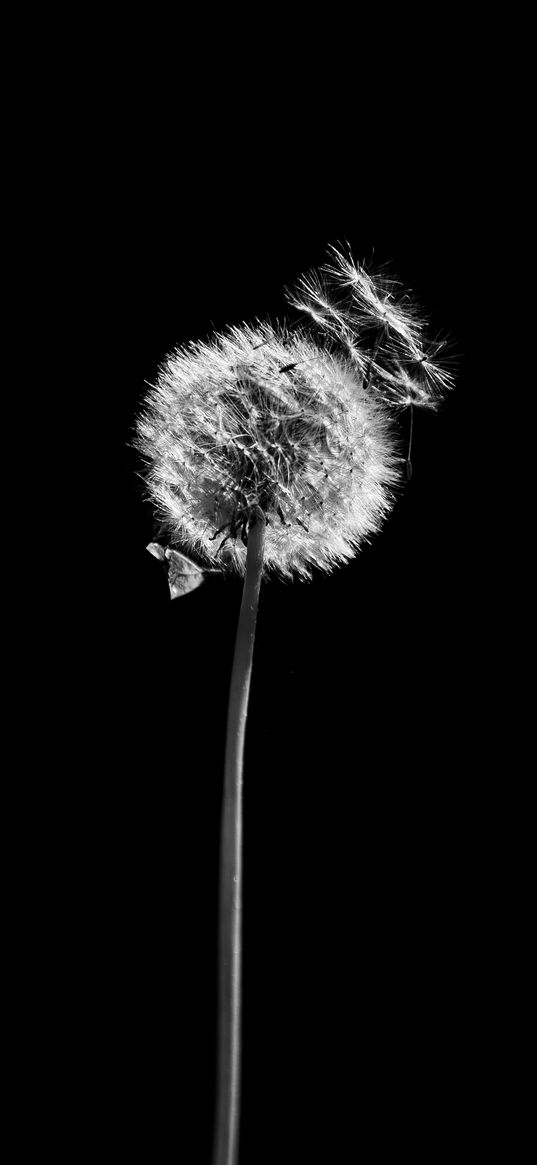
(366, 318)
(375, 299)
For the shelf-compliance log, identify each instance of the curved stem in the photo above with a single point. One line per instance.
(226, 1145)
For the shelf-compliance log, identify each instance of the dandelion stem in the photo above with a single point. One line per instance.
(226, 1145)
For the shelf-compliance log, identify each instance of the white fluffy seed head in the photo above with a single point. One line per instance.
(259, 418)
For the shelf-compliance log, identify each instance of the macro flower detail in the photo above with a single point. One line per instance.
(298, 423)
(262, 418)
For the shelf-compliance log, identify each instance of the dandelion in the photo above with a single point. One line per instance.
(271, 452)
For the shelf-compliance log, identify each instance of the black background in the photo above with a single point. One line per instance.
(366, 800)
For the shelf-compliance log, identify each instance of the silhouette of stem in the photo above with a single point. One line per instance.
(226, 1144)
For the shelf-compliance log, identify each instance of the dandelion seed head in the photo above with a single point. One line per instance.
(294, 422)
(259, 418)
